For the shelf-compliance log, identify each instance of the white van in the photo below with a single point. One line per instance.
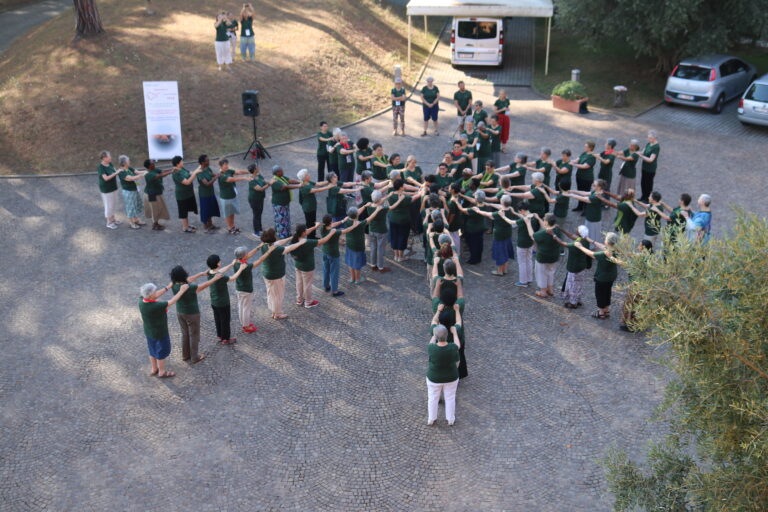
(477, 41)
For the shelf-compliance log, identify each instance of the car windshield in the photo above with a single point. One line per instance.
(477, 29)
(689, 72)
(758, 92)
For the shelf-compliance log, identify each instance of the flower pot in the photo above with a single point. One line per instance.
(574, 106)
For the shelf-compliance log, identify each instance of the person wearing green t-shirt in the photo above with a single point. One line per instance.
(524, 251)
(188, 311)
(443, 372)
(494, 132)
(380, 163)
(256, 194)
(222, 312)
(354, 230)
(398, 96)
(223, 48)
(230, 206)
(400, 217)
(585, 173)
(154, 317)
(308, 198)
(502, 249)
(547, 255)
(593, 202)
(563, 168)
(462, 99)
(605, 272)
(247, 38)
(331, 255)
(273, 269)
(628, 169)
(324, 141)
(244, 285)
(501, 107)
(543, 165)
(474, 226)
(335, 202)
(281, 200)
(653, 214)
(430, 99)
(626, 213)
(483, 145)
(363, 156)
(185, 192)
(677, 219)
(155, 206)
(345, 158)
(576, 266)
(606, 158)
(209, 205)
(108, 187)
(650, 159)
(479, 115)
(377, 231)
(304, 262)
(134, 206)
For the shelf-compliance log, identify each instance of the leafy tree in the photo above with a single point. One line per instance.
(709, 305)
(665, 29)
(87, 19)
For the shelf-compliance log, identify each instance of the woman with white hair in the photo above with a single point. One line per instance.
(605, 273)
(650, 159)
(154, 316)
(377, 231)
(304, 262)
(345, 154)
(628, 169)
(443, 371)
(502, 249)
(108, 188)
(576, 265)
(474, 227)
(281, 200)
(699, 225)
(547, 255)
(430, 99)
(355, 247)
(333, 159)
(308, 199)
(134, 207)
(538, 199)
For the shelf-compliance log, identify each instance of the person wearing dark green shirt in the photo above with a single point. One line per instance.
(479, 115)
(345, 157)
(677, 219)
(462, 99)
(155, 206)
(331, 255)
(502, 249)
(273, 268)
(209, 205)
(474, 227)
(628, 169)
(188, 311)
(154, 317)
(606, 158)
(222, 312)
(605, 272)
(247, 37)
(400, 218)
(230, 206)
(524, 251)
(543, 165)
(398, 95)
(134, 207)
(547, 255)
(576, 266)
(354, 230)
(256, 194)
(335, 202)
(593, 202)
(626, 213)
(244, 285)
(108, 187)
(324, 141)
(650, 159)
(501, 106)
(380, 162)
(483, 145)
(430, 99)
(232, 26)
(281, 200)
(494, 132)
(442, 371)
(535, 193)
(363, 156)
(585, 170)
(377, 231)
(223, 48)
(304, 262)
(563, 168)
(308, 198)
(653, 214)
(185, 192)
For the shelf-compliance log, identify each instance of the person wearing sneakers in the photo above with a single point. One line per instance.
(256, 195)
(273, 270)
(154, 316)
(331, 255)
(222, 312)
(108, 188)
(131, 195)
(398, 106)
(462, 99)
(502, 249)
(430, 99)
(188, 310)
(576, 266)
(377, 231)
(209, 206)
(230, 206)
(547, 255)
(304, 262)
(154, 207)
(354, 256)
(524, 249)
(442, 371)
(185, 192)
(244, 287)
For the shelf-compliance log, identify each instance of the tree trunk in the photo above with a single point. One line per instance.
(88, 19)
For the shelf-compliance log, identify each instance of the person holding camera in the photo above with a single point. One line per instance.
(223, 49)
(247, 39)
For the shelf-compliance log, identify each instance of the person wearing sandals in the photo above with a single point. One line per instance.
(131, 195)
(108, 188)
(154, 316)
(605, 272)
(442, 373)
(524, 250)
(209, 206)
(256, 196)
(154, 207)
(185, 192)
(430, 99)
(281, 201)
(576, 265)
(222, 312)
(547, 255)
(230, 207)
(304, 262)
(273, 269)
(244, 287)
(188, 310)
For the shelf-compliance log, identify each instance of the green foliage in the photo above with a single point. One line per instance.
(709, 305)
(570, 90)
(665, 29)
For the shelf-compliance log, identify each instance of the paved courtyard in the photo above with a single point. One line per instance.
(326, 410)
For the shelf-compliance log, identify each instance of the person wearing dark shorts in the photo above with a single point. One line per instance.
(154, 316)
(185, 192)
(430, 99)
(209, 206)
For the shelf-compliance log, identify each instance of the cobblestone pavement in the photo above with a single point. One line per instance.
(326, 410)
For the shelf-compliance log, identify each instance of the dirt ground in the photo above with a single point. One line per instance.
(63, 102)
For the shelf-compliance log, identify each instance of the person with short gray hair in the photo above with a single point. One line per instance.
(377, 231)
(281, 201)
(154, 316)
(605, 273)
(443, 372)
(134, 206)
(543, 164)
(650, 159)
(354, 229)
(699, 225)
(244, 286)
(430, 99)
(479, 115)
(502, 249)
(308, 198)
(108, 188)
(547, 255)
(537, 196)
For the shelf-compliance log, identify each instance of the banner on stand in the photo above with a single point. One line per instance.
(161, 105)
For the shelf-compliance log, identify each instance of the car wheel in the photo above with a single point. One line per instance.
(719, 104)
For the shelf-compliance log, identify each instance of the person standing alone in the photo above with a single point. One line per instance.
(398, 106)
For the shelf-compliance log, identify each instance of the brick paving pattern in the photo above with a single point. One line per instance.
(725, 123)
(326, 410)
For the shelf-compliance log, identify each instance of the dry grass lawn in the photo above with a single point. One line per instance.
(64, 102)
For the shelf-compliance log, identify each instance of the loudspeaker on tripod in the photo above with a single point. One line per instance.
(251, 103)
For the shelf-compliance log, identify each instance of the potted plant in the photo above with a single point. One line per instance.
(570, 96)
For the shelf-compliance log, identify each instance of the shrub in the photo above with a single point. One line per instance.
(570, 90)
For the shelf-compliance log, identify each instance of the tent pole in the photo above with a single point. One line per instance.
(409, 45)
(546, 59)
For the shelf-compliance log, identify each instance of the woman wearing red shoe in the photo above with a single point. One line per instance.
(501, 106)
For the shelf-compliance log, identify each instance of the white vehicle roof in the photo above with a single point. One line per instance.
(481, 8)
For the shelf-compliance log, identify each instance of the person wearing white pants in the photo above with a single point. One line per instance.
(547, 255)
(524, 247)
(443, 372)
(223, 49)
(108, 188)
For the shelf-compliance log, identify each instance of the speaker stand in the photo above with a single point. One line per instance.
(256, 149)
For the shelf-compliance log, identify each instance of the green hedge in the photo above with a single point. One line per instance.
(570, 90)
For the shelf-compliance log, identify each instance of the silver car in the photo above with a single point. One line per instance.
(709, 81)
(753, 106)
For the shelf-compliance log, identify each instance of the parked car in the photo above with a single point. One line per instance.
(753, 106)
(708, 81)
(477, 41)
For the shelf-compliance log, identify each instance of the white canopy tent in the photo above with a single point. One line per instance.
(482, 8)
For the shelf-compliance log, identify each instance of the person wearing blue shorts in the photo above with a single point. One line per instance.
(154, 316)
(430, 99)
